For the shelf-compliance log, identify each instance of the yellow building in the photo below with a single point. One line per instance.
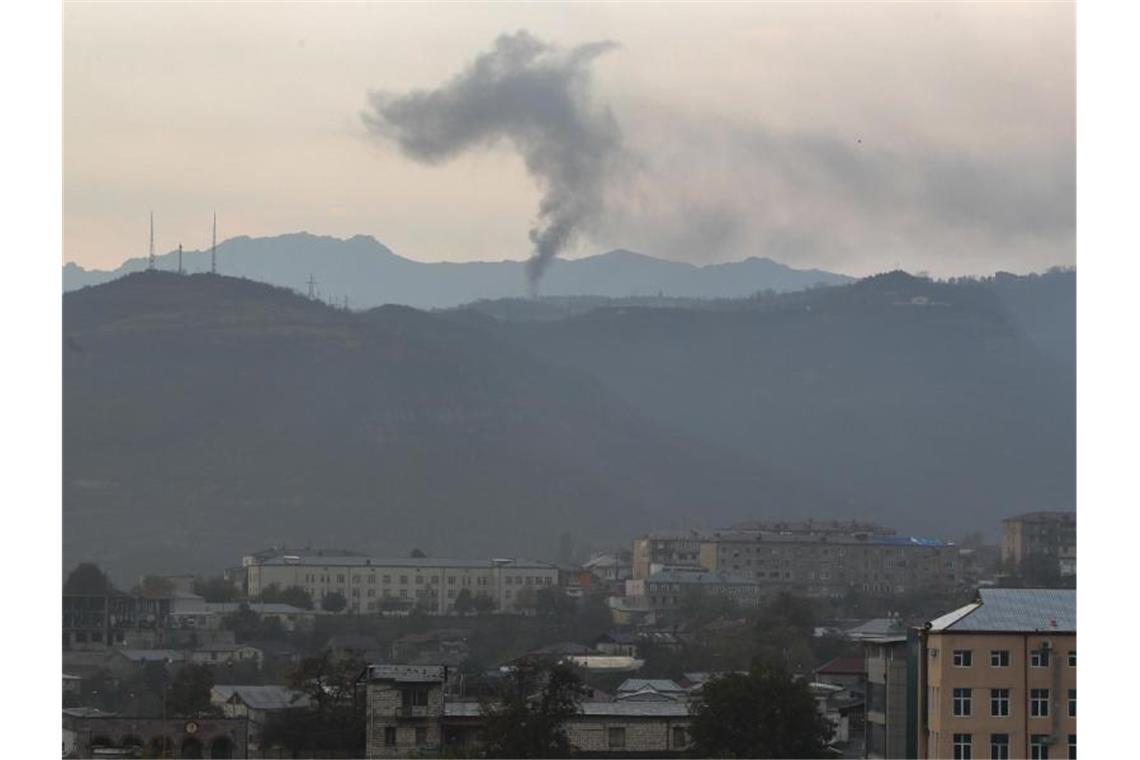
(998, 677)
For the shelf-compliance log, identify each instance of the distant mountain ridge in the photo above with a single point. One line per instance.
(369, 274)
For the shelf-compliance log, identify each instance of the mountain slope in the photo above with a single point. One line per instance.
(926, 401)
(206, 416)
(369, 274)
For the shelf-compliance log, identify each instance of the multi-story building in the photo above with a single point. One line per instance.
(410, 715)
(674, 547)
(667, 589)
(998, 677)
(1052, 535)
(372, 584)
(891, 701)
(101, 621)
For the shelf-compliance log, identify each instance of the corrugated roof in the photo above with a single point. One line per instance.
(1015, 610)
(657, 684)
(263, 697)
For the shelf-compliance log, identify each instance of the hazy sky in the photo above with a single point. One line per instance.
(851, 137)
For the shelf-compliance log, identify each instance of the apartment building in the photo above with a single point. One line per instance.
(667, 589)
(997, 677)
(371, 584)
(1041, 534)
(891, 702)
(807, 557)
(671, 547)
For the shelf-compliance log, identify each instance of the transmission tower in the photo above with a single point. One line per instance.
(312, 288)
(214, 247)
(150, 256)
(180, 258)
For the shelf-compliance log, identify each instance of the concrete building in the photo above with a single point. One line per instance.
(1051, 535)
(998, 677)
(666, 590)
(409, 715)
(809, 557)
(373, 584)
(194, 612)
(102, 621)
(890, 700)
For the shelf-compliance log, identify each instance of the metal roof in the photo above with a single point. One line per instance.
(1014, 610)
(263, 697)
(657, 684)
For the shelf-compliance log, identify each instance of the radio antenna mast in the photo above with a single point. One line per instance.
(214, 247)
(180, 258)
(150, 256)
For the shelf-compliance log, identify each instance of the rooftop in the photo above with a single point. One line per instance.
(616, 709)
(656, 684)
(360, 560)
(843, 666)
(1044, 517)
(262, 697)
(1013, 610)
(407, 673)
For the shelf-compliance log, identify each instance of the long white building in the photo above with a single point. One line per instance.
(372, 584)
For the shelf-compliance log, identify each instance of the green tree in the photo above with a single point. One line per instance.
(553, 602)
(189, 692)
(87, 579)
(464, 603)
(333, 601)
(483, 603)
(527, 720)
(336, 722)
(294, 595)
(765, 714)
(216, 589)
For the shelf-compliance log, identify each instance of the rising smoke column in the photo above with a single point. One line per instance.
(537, 98)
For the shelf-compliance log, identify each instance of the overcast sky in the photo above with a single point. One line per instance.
(851, 137)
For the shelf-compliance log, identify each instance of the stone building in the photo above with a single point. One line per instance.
(87, 733)
(374, 584)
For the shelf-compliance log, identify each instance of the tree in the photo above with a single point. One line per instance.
(189, 692)
(216, 589)
(418, 554)
(337, 722)
(464, 604)
(528, 718)
(333, 601)
(155, 586)
(294, 595)
(88, 580)
(483, 603)
(764, 714)
(552, 601)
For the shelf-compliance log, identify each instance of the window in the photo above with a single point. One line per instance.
(963, 745)
(1072, 658)
(389, 736)
(1039, 703)
(999, 746)
(963, 658)
(421, 736)
(1039, 747)
(1072, 747)
(1039, 658)
(415, 697)
(680, 739)
(962, 702)
(1072, 703)
(617, 738)
(404, 579)
(999, 703)
(999, 658)
(419, 580)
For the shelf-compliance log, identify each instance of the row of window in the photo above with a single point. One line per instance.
(999, 658)
(999, 703)
(999, 746)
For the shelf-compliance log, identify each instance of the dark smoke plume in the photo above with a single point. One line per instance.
(536, 97)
